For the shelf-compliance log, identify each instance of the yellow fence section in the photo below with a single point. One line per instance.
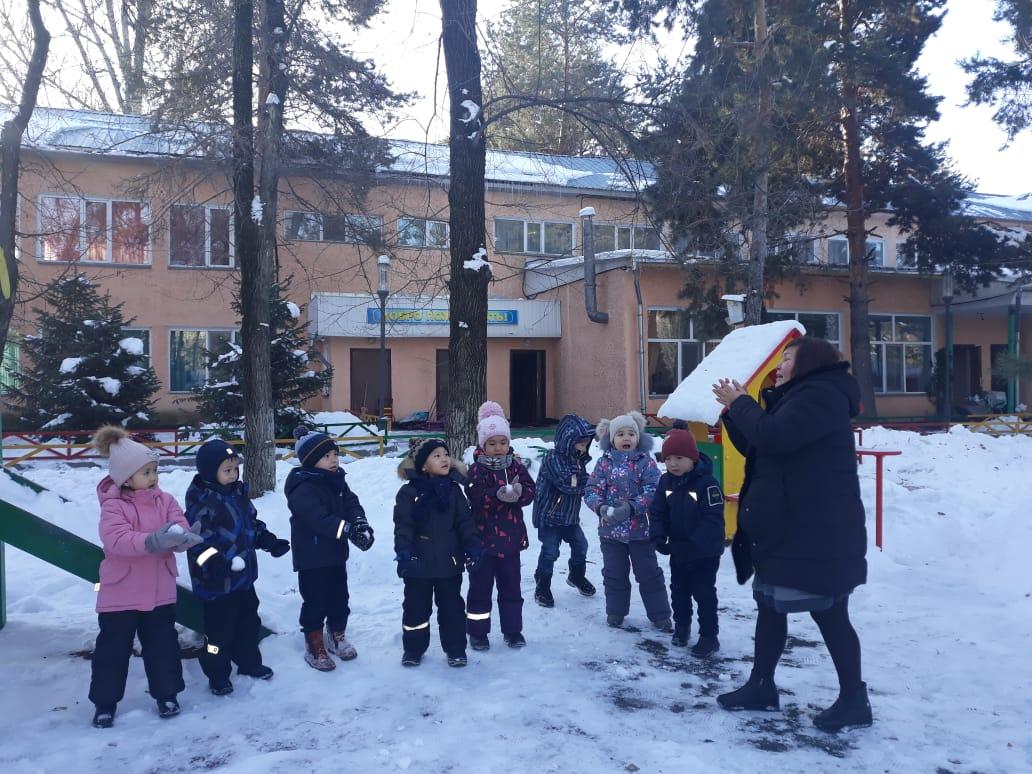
(1002, 424)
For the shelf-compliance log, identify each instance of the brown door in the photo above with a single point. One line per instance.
(527, 386)
(967, 371)
(365, 380)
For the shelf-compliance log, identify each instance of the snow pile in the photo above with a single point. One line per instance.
(331, 418)
(737, 356)
(293, 309)
(478, 261)
(945, 622)
(70, 364)
(132, 345)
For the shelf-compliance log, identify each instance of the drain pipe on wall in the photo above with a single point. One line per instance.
(641, 334)
(590, 286)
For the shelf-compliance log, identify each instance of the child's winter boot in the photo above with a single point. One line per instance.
(457, 660)
(260, 672)
(666, 625)
(759, 693)
(337, 644)
(167, 708)
(411, 659)
(315, 652)
(680, 638)
(707, 645)
(220, 687)
(578, 581)
(515, 640)
(479, 642)
(104, 717)
(543, 591)
(614, 620)
(852, 709)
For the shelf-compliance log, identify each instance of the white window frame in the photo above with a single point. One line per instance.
(426, 233)
(632, 238)
(319, 216)
(235, 334)
(541, 243)
(145, 216)
(207, 237)
(878, 261)
(795, 316)
(706, 345)
(881, 347)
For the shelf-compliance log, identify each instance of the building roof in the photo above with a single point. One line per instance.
(109, 134)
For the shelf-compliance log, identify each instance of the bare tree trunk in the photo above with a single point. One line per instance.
(10, 162)
(259, 426)
(135, 83)
(856, 229)
(467, 329)
(761, 152)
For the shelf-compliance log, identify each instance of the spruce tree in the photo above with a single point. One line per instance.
(294, 380)
(82, 369)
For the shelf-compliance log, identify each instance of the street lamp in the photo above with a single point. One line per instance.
(947, 300)
(383, 290)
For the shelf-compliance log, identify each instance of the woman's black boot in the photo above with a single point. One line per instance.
(759, 693)
(852, 709)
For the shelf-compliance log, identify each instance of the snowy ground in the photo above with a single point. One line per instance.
(945, 623)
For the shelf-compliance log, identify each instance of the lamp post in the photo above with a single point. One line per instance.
(947, 300)
(383, 290)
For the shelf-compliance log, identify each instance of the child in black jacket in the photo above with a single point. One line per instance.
(224, 567)
(324, 515)
(688, 524)
(434, 537)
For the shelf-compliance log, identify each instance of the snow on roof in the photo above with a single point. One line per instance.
(87, 131)
(738, 356)
(999, 207)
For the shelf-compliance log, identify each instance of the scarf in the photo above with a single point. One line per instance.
(434, 494)
(495, 463)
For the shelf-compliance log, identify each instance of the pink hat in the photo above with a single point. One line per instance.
(492, 422)
(125, 456)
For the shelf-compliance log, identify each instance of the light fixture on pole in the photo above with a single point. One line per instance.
(947, 300)
(383, 289)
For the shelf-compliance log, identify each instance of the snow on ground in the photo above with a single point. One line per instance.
(945, 622)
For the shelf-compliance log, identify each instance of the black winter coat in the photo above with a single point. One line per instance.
(322, 512)
(688, 510)
(800, 503)
(436, 537)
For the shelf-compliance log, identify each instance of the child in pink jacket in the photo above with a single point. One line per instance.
(140, 527)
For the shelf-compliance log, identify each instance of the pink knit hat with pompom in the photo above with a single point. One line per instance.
(492, 422)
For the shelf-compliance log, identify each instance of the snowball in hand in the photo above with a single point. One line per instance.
(175, 529)
(237, 564)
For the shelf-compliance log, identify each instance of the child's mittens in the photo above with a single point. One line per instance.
(510, 493)
(662, 545)
(267, 541)
(189, 538)
(164, 539)
(238, 564)
(474, 558)
(405, 561)
(279, 547)
(614, 514)
(361, 535)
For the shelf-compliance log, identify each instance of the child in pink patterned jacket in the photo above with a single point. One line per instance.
(140, 527)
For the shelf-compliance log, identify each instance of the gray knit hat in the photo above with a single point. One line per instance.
(632, 420)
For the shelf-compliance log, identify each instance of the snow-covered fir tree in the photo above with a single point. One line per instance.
(82, 369)
(294, 380)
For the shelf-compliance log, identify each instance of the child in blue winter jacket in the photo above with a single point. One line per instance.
(324, 515)
(224, 567)
(557, 502)
(688, 524)
(620, 490)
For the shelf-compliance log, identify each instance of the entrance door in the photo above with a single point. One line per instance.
(527, 386)
(365, 380)
(967, 371)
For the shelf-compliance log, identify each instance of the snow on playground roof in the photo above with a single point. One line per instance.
(738, 356)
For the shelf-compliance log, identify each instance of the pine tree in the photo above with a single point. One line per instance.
(220, 399)
(83, 370)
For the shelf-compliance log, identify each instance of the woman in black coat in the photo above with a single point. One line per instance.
(801, 519)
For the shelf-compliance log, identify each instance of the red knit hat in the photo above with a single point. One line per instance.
(680, 443)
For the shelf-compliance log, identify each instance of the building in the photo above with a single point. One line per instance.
(148, 214)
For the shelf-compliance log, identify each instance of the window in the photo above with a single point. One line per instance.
(823, 325)
(673, 350)
(143, 334)
(187, 360)
(74, 229)
(319, 227)
(418, 232)
(838, 251)
(610, 237)
(10, 369)
(527, 236)
(801, 248)
(200, 236)
(901, 352)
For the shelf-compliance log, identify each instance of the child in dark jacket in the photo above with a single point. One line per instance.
(224, 567)
(557, 503)
(499, 488)
(688, 524)
(620, 490)
(434, 536)
(324, 515)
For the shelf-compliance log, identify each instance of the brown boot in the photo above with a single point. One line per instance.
(315, 652)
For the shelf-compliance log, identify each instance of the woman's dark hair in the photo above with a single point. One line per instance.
(812, 353)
